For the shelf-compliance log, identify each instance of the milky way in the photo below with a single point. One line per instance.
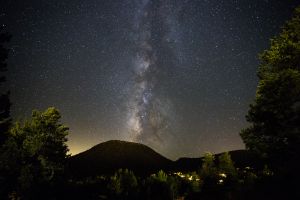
(147, 118)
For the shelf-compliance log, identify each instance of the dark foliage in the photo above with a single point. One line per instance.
(241, 158)
(33, 157)
(5, 120)
(275, 113)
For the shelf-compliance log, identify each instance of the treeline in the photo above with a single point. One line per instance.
(215, 179)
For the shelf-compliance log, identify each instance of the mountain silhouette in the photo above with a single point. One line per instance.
(241, 159)
(112, 155)
(107, 157)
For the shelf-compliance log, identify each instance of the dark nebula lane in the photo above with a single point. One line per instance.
(147, 121)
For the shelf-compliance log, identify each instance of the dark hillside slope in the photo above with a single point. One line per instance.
(107, 157)
(241, 159)
(112, 155)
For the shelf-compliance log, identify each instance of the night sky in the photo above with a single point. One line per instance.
(177, 75)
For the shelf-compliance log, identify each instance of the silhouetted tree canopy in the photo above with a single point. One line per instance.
(123, 185)
(208, 168)
(34, 155)
(275, 113)
(226, 165)
(5, 120)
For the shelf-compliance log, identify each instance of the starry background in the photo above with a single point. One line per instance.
(177, 75)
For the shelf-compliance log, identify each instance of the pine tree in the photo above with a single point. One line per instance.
(275, 113)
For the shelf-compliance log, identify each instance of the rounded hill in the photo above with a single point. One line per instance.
(112, 155)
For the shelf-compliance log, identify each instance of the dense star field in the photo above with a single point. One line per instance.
(177, 75)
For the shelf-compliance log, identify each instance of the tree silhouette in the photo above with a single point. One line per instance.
(159, 186)
(34, 155)
(208, 168)
(226, 166)
(5, 120)
(275, 113)
(123, 185)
